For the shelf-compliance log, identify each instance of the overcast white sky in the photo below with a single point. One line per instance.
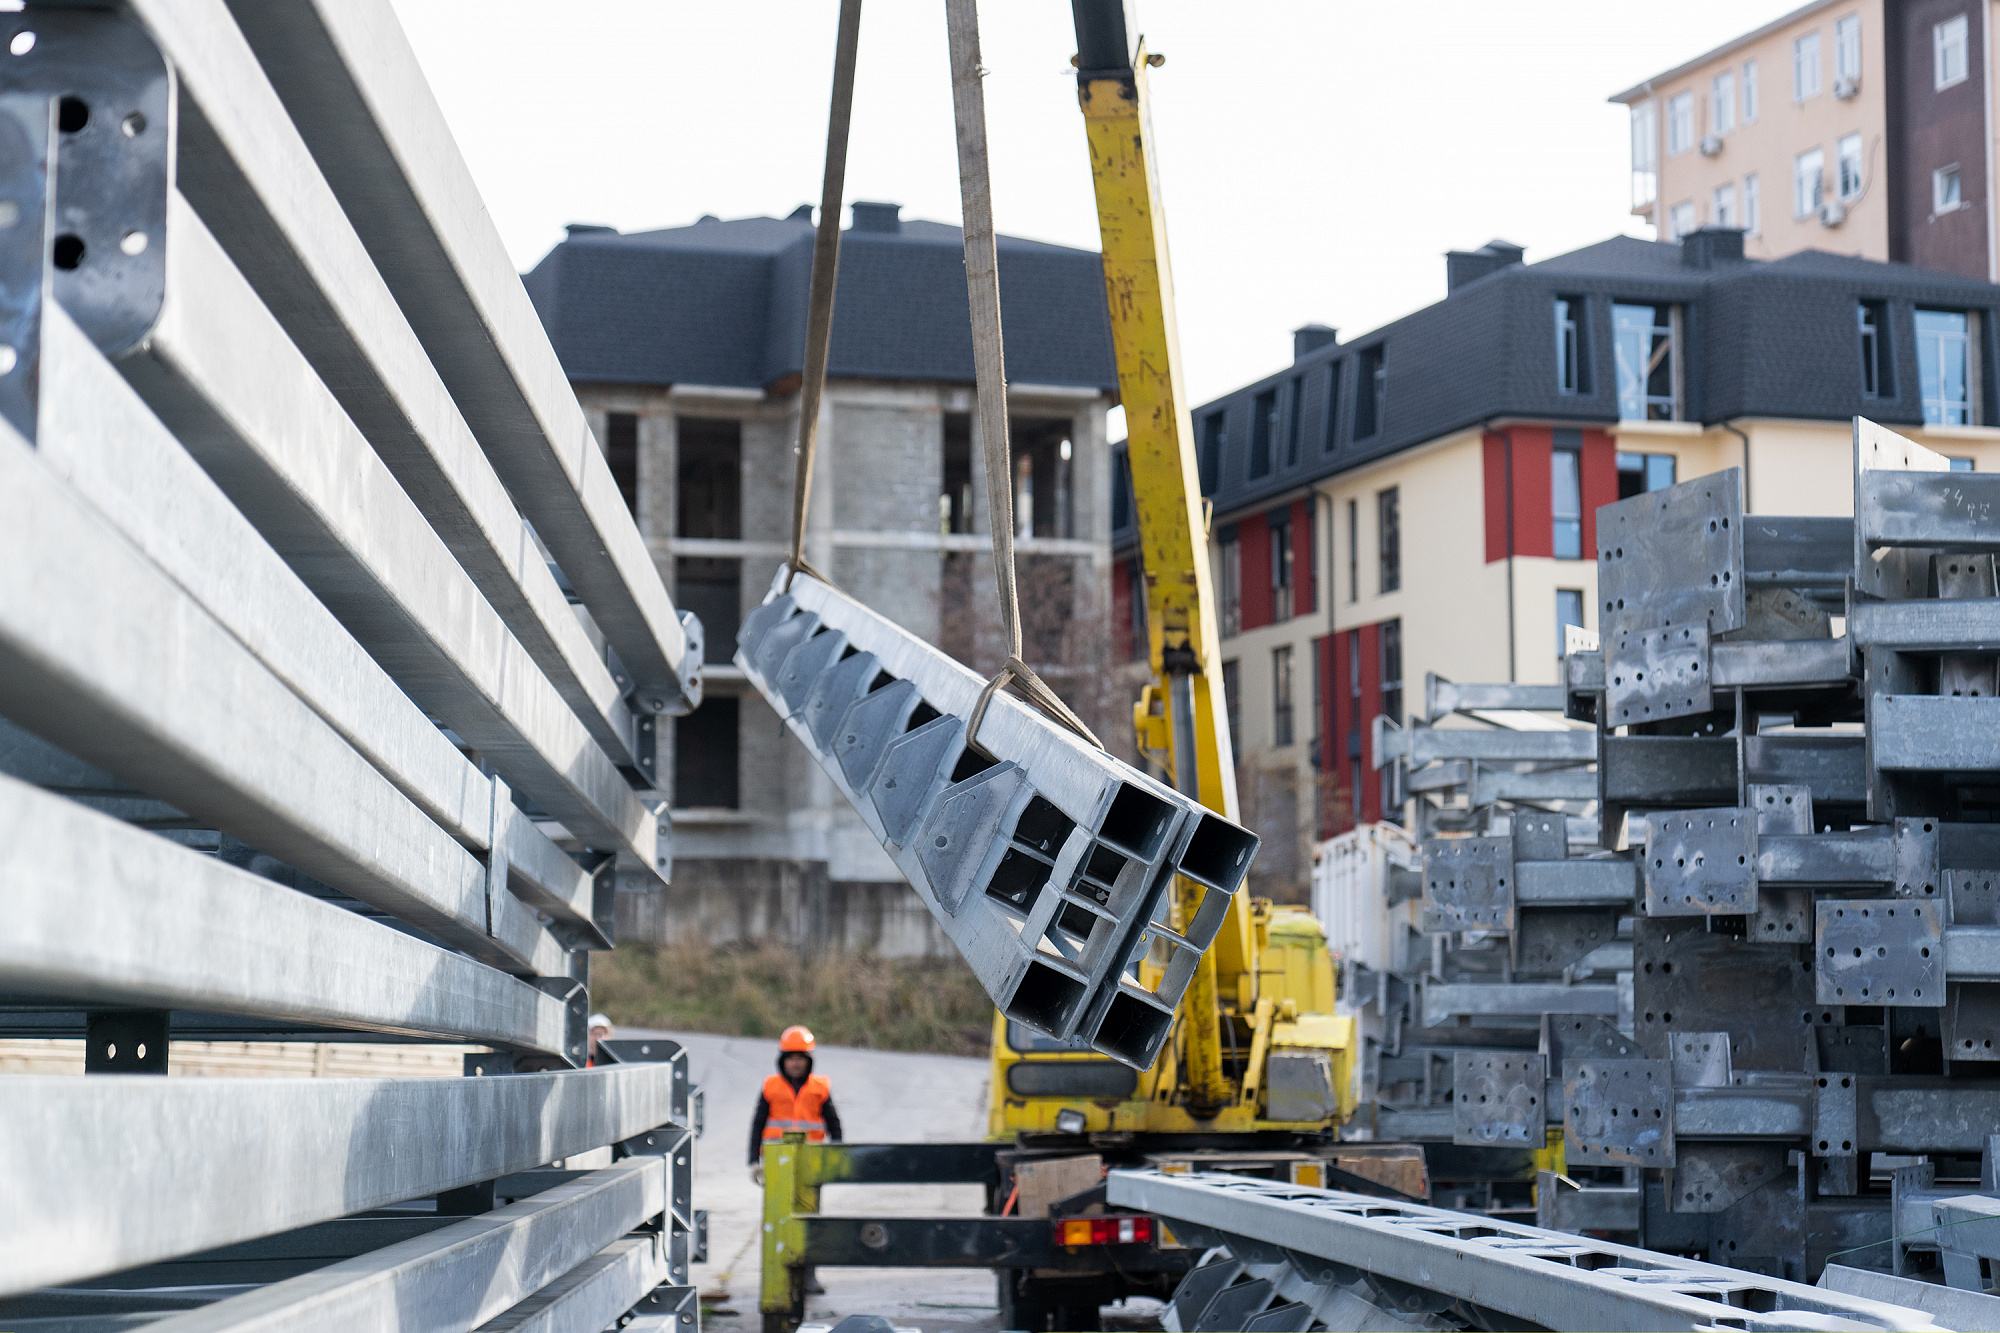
(1317, 158)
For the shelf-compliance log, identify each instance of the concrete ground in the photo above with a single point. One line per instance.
(882, 1097)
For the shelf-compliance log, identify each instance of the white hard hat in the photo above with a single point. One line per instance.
(598, 1020)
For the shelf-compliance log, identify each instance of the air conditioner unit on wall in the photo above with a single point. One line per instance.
(1832, 213)
(1848, 87)
(1711, 145)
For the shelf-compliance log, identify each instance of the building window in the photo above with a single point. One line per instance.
(1569, 345)
(1945, 197)
(1566, 503)
(1750, 209)
(1639, 473)
(1645, 155)
(1392, 672)
(709, 506)
(1353, 550)
(1297, 422)
(1680, 123)
(1749, 92)
(1569, 611)
(1808, 182)
(1389, 549)
(1962, 464)
(955, 501)
(1281, 696)
(1643, 338)
(1232, 703)
(1847, 48)
(705, 755)
(1044, 458)
(1371, 398)
(1722, 102)
(1354, 711)
(1263, 425)
(621, 451)
(1332, 405)
(1805, 67)
(1944, 366)
(1280, 524)
(1214, 435)
(1680, 220)
(1948, 52)
(1722, 205)
(1848, 155)
(1229, 581)
(1873, 319)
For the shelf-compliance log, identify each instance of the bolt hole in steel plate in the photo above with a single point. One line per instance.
(1879, 951)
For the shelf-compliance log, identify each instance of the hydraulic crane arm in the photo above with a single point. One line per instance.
(1186, 700)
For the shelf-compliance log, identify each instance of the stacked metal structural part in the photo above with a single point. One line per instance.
(1809, 884)
(1291, 1258)
(330, 667)
(1046, 861)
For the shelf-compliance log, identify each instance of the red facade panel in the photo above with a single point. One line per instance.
(1253, 536)
(1599, 466)
(1534, 530)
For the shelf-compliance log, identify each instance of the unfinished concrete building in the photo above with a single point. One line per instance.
(686, 347)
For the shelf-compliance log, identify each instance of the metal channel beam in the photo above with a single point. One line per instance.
(100, 438)
(220, 373)
(457, 1276)
(1427, 745)
(103, 655)
(1794, 552)
(1952, 1307)
(353, 87)
(1552, 1279)
(110, 1172)
(246, 171)
(1927, 625)
(174, 929)
(1581, 882)
(1781, 663)
(594, 1295)
(1446, 1001)
(1443, 697)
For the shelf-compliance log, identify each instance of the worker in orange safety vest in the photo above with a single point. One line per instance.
(793, 1099)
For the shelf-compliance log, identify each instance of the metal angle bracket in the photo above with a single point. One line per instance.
(1618, 1112)
(1657, 673)
(1702, 863)
(1469, 883)
(1835, 1116)
(1879, 951)
(1497, 1099)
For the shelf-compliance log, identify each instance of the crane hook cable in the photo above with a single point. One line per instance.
(982, 289)
(825, 271)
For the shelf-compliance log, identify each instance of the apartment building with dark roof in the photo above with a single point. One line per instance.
(686, 345)
(1421, 498)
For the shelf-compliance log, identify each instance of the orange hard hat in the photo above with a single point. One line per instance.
(795, 1038)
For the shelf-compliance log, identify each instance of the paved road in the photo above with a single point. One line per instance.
(882, 1097)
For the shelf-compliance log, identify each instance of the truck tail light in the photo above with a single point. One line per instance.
(1105, 1231)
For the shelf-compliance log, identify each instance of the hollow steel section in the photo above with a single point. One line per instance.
(353, 88)
(595, 1294)
(221, 374)
(107, 657)
(1551, 1278)
(457, 1276)
(171, 928)
(101, 439)
(246, 171)
(113, 1171)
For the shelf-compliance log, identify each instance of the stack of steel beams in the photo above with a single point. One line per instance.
(331, 664)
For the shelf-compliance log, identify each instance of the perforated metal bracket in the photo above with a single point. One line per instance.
(1700, 1059)
(1835, 1112)
(1497, 1099)
(1673, 557)
(1702, 863)
(1469, 883)
(1651, 675)
(1917, 873)
(87, 99)
(1879, 951)
(1618, 1112)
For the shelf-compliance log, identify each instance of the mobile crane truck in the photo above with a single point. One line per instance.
(1257, 1074)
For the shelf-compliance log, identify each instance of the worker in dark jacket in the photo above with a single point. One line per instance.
(793, 1099)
